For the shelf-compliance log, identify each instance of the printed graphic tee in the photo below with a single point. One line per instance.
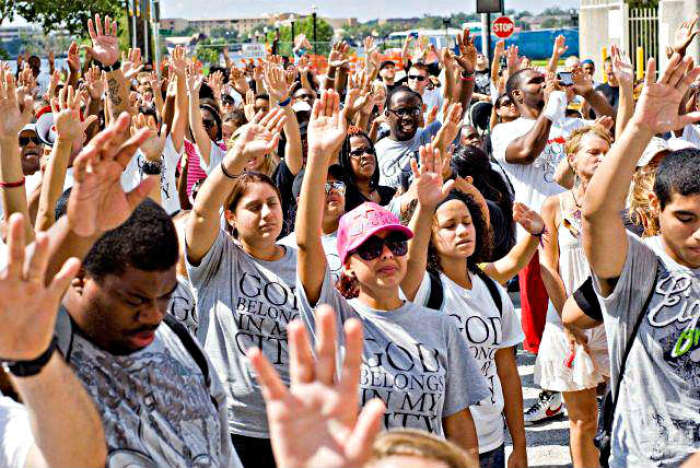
(657, 421)
(413, 358)
(244, 302)
(155, 405)
(486, 330)
(394, 156)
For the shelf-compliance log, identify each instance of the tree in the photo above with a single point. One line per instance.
(7, 10)
(71, 15)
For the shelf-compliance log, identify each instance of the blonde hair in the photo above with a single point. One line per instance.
(641, 210)
(411, 442)
(573, 142)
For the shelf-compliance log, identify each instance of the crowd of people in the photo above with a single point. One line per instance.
(272, 265)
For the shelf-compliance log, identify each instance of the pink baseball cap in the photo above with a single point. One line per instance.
(361, 223)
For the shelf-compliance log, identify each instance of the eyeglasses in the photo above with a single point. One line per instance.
(359, 152)
(416, 77)
(337, 185)
(24, 141)
(408, 112)
(374, 246)
(305, 97)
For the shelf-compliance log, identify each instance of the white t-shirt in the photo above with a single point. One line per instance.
(534, 182)
(133, 174)
(216, 155)
(486, 330)
(691, 133)
(15, 434)
(393, 156)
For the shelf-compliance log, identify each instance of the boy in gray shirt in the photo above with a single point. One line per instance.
(657, 418)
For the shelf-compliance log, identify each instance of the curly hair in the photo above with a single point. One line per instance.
(641, 211)
(484, 235)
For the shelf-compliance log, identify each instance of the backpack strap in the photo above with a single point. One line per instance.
(493, 289)
(628, 348)
(191, 346)
(63, 331)
(437, 294)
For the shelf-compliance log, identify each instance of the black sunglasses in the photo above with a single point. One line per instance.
(416, 77)
(410, 111)
(374, 246)
(24, 141)
(359, 152)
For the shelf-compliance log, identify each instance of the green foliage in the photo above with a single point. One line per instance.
(71, 15)
(4, 55)
(205, 53)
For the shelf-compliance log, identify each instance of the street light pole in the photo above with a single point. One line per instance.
(313, 15)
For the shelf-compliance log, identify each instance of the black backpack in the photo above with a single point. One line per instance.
(437, 293)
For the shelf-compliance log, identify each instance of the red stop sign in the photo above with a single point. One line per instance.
(503, 27)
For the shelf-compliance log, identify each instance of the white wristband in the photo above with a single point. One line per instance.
(555, 109)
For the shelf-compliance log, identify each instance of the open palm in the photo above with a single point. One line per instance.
(105, 44)
(657, 108)
(428, 178)
(328, 125)
(315, 422)
(98, 202)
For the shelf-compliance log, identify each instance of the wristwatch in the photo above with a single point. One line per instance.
(33, 367)
(152, 167)
(115, 66)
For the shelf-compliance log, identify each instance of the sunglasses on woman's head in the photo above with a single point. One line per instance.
(374, 246)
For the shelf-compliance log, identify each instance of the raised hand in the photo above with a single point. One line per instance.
(249, 106)
(467, 52)
(559, 47)
(315, 421)
(12, 119)
(657, 108)
(622, 67)
(216, 82)
(73, 58)
(328, 125)
(132, 63)
(685, 33)
(427, 179)
(97, 201)
(275, 82)
(255, 139)
(105, 44)
(582, 82)
(238, 81)
(450, 127)
(513, 60)
(338, 55)
(605, 121)
(178, 61)
(152, 147)
(28, 308)
(529, 219)
(66, 116)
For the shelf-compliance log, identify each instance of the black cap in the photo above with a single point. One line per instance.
(386, 63)
(334, 170)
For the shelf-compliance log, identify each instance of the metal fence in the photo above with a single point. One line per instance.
(644, 34)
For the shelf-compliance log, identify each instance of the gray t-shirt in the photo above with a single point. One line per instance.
(244, 302)
(155, 405)
(393, 156)
(183, 305)
(414, 359)
(657, 420)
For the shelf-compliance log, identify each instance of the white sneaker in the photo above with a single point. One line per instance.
(547, 406)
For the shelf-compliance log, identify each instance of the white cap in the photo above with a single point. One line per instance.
(657, 145)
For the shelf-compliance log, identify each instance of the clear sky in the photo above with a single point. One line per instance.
(361, 9)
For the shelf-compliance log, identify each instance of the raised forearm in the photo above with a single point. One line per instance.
(293, 156)
(417, 258)
(466, 88)
(516, 259)
(117, 93)
(180, 117)
(14, 199)
(329, 80)
(525, 149)
(201, 138)
(625, 108)
(599, 103)
(66, 426)
(52, 188)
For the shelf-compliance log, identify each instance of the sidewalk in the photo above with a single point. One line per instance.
(547, 443)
